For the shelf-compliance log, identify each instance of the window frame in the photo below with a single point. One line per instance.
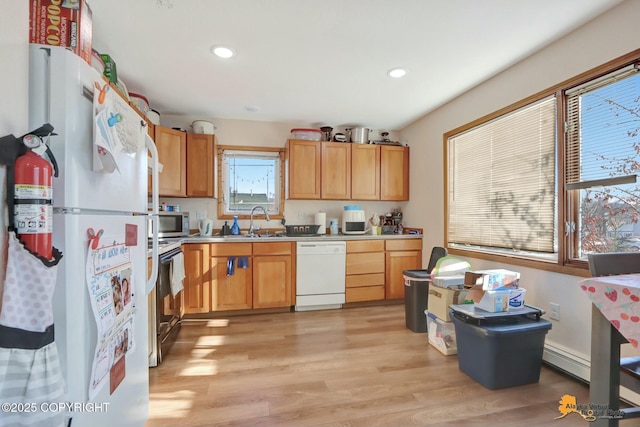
(280, 187)
(567, 200)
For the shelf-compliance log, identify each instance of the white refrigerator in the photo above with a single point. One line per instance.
(95, 212)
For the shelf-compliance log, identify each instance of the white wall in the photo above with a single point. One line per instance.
(266, 134)
(14, 95)
(605, 38)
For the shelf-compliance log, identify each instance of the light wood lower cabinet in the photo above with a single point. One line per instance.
(272, 273)
(374, 271)
(401, 254)
(231, 291)
(197, 282)
(365, 270)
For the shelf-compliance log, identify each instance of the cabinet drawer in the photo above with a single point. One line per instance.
(272, 248)
(230, 249)
(365, 246)
(360, 280)
(367, 262)
(368, 293)
(403, 244)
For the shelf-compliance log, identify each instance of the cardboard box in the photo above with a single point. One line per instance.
(448, 281)
(494, 301)
(110, 70)
(440, 299)
(492, 279)
(65, 23)
(441, 334)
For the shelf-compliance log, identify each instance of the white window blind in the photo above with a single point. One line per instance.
(501, 181)
(602, 130)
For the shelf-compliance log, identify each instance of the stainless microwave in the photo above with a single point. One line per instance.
(172, 224)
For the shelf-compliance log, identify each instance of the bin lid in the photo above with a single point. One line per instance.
(517, 325)
(417, 274)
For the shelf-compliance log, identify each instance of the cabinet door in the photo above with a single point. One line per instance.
(172, 153)
(396, 263)
(200, 163)
(336, 171)
(303, 168)
(394, 172)
(197, 282)
(271, 281)
(365, 172)
(230, 292)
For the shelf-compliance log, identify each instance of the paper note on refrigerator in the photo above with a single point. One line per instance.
(110, 283)
(117, 129)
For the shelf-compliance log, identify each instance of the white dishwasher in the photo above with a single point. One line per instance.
(320, 275)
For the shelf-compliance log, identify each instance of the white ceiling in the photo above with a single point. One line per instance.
(323, 62)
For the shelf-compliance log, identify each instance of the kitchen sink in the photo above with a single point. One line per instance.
(255, 236)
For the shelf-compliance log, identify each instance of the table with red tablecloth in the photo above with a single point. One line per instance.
(615, 319)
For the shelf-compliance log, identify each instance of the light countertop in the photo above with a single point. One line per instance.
(168, 244)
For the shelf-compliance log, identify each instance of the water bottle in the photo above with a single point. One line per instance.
(235, 228)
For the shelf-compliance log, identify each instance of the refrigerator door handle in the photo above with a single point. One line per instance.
(151, 146)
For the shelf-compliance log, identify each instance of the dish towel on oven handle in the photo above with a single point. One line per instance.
(177, 273)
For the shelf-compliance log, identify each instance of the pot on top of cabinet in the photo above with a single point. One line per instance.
(359, 135)
(203, 126)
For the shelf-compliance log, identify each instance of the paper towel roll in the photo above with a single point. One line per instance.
(321, 220)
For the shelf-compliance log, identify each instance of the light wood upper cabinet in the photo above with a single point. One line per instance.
(303, 169)
(172, 153)
(336, 171)
(197, 282)
(344, 171)
(394, 172)
(365, 172)
(201, 151)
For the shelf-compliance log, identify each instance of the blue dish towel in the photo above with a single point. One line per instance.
(243, 262)
(231, 265)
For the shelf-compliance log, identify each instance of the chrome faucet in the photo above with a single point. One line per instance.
(253, 228)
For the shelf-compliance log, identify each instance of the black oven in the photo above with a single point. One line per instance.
(168, 308)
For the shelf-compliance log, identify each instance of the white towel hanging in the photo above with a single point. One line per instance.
(177, 273)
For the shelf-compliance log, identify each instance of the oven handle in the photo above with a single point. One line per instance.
(166, 257)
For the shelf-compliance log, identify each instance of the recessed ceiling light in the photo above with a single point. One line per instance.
(222, 51)
(252, 108)
(396, 73)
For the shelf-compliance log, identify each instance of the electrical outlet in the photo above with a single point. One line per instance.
(302, 215)
(201, 215)
(555, 311)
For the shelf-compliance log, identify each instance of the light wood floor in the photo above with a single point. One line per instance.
(351, 367)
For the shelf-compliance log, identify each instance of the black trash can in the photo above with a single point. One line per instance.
(416, 290)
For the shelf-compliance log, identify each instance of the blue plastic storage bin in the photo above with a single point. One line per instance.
(501, 355)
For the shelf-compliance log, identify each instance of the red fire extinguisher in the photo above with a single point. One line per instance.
(33, 194)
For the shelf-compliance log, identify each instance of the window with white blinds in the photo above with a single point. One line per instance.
(602, 161)
(603, 120)
(501, 182)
